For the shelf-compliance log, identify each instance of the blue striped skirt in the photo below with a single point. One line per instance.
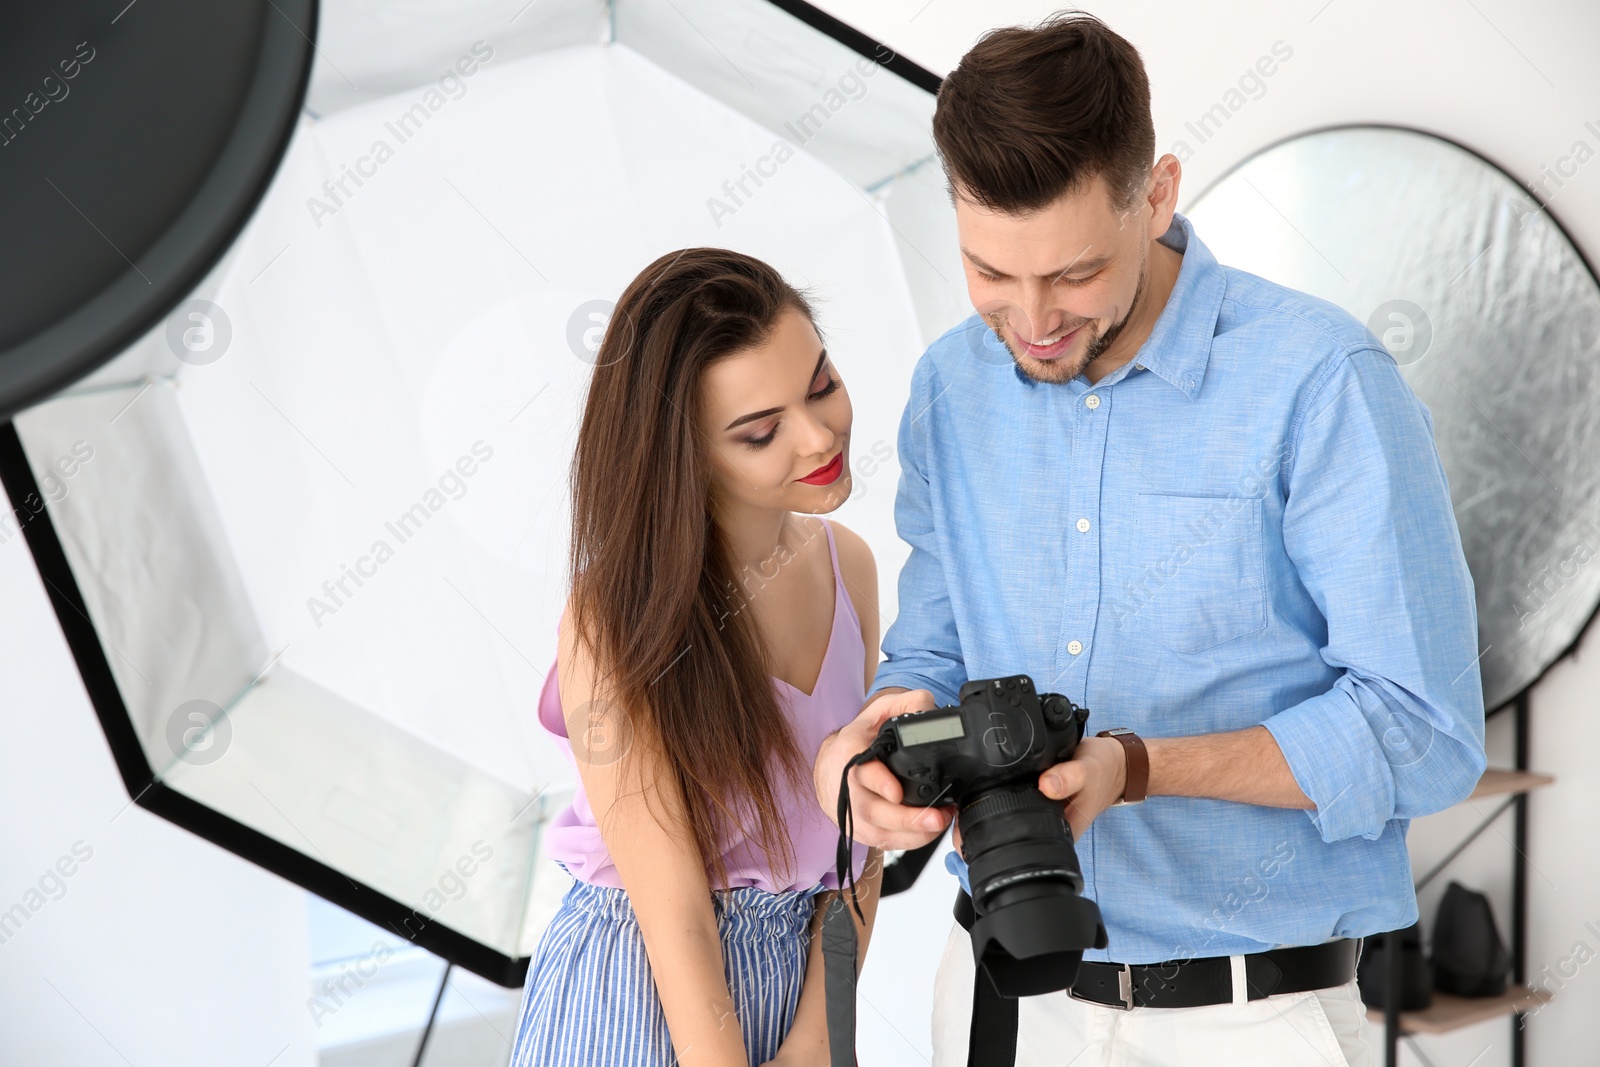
(590, 1000)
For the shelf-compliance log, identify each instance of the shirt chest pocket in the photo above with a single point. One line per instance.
(1198, 571)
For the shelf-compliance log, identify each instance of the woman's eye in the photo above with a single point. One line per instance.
(826, 390)
(755, 443)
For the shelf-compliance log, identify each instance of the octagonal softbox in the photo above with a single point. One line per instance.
(306, 537)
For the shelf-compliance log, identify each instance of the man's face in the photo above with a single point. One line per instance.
(1057, 285)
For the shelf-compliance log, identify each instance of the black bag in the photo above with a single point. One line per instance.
(1416, 973)
(1469, 959)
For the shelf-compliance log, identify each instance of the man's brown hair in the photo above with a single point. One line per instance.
(1033, 113)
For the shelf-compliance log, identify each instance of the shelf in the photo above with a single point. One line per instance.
(1449, 1012)
(1498, 782)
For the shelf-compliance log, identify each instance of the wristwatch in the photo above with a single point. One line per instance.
(1138, 763)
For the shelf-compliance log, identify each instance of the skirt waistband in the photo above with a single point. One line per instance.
(744, 913)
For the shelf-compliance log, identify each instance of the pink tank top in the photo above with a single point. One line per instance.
(573, 838)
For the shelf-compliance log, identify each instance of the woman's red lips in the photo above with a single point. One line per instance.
(828, 473)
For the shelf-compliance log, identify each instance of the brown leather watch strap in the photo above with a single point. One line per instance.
(1138, 763)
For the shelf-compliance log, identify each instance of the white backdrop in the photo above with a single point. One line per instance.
(1514, 82)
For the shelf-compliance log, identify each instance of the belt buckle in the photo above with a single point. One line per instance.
(1124, 990)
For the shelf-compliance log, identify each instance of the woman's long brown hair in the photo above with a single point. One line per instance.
(653, 579)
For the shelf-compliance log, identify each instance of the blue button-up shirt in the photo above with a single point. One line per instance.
(1246, 524)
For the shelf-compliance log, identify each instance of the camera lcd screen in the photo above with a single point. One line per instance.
(940, 729)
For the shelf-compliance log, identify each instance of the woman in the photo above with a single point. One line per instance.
(711, 640)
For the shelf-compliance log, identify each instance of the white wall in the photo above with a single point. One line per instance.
(158, 948)
(1515, 82)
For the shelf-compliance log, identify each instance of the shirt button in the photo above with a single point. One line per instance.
(1075, 647)
(1092, 401)
(1083, 525)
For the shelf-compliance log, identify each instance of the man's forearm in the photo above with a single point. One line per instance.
(1243, 765)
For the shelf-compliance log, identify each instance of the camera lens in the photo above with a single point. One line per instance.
(1012, 835)
(1032, 922)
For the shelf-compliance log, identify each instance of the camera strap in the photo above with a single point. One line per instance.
(992, 1037)
(839, 932)
(839, 981)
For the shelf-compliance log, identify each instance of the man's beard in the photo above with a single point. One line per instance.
(1067, 367)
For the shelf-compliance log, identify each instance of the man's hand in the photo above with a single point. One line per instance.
(1090, 782)
(880, 819)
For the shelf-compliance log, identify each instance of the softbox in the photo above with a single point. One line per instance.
(306, 535)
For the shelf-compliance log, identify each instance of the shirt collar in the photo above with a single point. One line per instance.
(1179, 346)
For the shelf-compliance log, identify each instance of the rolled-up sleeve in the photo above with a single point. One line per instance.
(1369, 526)
(922, 649)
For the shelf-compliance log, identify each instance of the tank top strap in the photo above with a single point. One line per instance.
(833, 548)
(841, 592)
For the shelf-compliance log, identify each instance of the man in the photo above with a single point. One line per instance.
(1209, 509)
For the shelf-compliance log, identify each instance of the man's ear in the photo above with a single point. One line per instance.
(1165, 177)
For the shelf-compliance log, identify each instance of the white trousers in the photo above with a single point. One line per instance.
(1316, 1028)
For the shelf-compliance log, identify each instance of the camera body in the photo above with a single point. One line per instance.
(985, 755)
(1001, 732)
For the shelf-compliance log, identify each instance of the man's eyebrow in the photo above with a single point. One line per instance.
(1092, 264)
(754, 415)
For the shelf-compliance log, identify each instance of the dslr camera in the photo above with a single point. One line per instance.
(985, 755)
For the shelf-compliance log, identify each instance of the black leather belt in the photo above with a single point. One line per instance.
(1187, 983)
(1209, 979)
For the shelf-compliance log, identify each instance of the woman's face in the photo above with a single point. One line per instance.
(776, 418)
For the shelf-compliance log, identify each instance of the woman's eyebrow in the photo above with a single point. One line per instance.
(754, 415)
